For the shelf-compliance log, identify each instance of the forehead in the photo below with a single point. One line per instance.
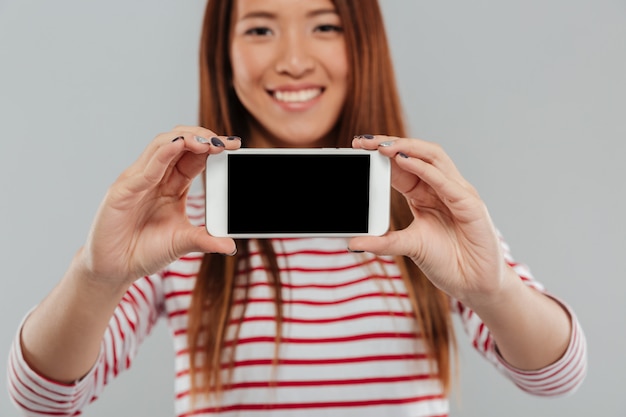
(244, 8)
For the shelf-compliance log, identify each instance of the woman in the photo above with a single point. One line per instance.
(293, 326)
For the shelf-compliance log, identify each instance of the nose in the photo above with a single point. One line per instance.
(294, 57)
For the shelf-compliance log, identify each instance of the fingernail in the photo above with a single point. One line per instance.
(217, 142)
(200, 139)
(233, 138)
(355, 251)
(402, 155)
(178, 138)
(387, 143)
(366, 136)
(233, 253)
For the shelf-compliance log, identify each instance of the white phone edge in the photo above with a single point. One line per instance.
(216, 192)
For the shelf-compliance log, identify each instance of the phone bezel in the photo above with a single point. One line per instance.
(216, 191)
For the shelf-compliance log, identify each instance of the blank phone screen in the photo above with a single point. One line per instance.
(298, 193)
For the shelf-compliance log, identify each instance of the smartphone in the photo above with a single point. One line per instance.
(285, 192)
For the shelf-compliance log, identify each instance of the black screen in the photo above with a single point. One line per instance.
(298, 193)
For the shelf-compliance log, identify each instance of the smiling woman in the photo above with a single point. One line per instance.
(290, 70)
(355, 326)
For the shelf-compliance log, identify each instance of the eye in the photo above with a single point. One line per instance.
(259, 31)
(328, 28)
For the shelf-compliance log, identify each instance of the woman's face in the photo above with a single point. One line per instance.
(290, 70)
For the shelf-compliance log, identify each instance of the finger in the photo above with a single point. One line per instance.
(150, 169)
(205, 136)
(185, 133)
(460, 199)
(179, 160)
(389, 146)
(429, 152)
(192, 163)
(391, 243)
(196, 139)
(370, 142)
(197, 239)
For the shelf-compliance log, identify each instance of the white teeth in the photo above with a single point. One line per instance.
(297, 96)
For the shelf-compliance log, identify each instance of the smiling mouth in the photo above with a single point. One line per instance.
(300, 96)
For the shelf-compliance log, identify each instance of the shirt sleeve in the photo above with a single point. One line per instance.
(132, 321)
(560, 378)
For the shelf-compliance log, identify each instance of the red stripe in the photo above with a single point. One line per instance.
(298, 340)
(130, 323)
(557, 388)
(40, 386)
(191, 258)
(141, 293)
(174, 274)
(173, 294)
(310, 269)
(329, 404)
(114, 351)
(323, 361)
(130, 297)
(320, 252)
(154, 293)
(547, 392)
(182, 312)
(318, 383)
(330, 285)
(15, 378)
(198, 206)
(247, 319)
(180, 293)
(487, 342)
(45, 413)
(326, 320)
(550, 372)
(132, 326)
(272, 339)
(321, 303)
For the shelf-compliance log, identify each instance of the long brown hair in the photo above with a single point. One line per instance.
(372, 106)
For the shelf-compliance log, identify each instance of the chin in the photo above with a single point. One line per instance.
(299, 138)
(276, 133)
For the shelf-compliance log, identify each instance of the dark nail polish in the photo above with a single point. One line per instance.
(178, 138)
(403, 155)
(233, 138)
(355, 251)
(368, 136)
(217, 142)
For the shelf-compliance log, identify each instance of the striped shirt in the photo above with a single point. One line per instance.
(349, 345)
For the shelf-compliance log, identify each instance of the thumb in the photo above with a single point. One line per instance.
(391, 243)
(197, 239)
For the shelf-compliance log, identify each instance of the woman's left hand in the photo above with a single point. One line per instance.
(451, 238)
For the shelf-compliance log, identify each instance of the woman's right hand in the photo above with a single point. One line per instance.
(141, 225)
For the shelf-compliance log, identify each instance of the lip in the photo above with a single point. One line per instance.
(296, 97)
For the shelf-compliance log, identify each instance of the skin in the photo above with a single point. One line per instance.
(141, 225)
(293, 48)
(453, 240)
(140, 228)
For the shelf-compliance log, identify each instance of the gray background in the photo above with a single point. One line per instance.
(528, 97)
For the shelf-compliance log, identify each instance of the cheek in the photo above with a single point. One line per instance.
(338, 64)
(243, 67)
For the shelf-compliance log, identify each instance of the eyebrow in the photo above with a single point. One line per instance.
(270, 15)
